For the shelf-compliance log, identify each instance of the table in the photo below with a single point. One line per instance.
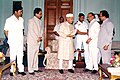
(103, 68)
(4, 66)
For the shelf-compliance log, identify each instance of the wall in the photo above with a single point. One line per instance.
(112, 6)
(5, 12)
(84, 6)
(28, 7)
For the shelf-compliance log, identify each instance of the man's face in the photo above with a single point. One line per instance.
(101, 17)
(81, 18)
(90, 17)
(39, 15)
(19, 13)
(61, 20)
(70, 20)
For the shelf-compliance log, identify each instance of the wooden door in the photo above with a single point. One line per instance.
(53, 10)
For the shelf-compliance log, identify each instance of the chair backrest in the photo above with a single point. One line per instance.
(54, 45)
(116, 45)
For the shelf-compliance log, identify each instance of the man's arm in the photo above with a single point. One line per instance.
(55, 32)
(6, 33)
(81, 33)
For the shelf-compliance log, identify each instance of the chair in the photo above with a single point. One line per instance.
(52, 56)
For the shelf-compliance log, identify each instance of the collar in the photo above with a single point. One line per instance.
(15, 17)
(80, 22)
(68, 23)
(36, 18)
(92, 21)
(105, 20)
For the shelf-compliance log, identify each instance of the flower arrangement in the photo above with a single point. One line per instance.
(115, 60)
(2, 57)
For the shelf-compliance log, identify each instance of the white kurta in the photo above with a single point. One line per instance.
(34, 31)
(94, 28)
(66, 48)
(15, 39)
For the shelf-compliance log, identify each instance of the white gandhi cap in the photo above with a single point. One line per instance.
(69, 15)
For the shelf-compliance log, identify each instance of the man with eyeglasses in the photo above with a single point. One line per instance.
(34, 38)
(105, 37)
(94, 28)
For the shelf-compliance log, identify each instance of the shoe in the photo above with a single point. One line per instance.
(94, 71)
(61, 71)
(11, 74)
(70, 70)
(37, 71)
(32, 73)
(86, 70)
(22, 73)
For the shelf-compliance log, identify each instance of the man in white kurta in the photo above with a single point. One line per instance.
(66, 48)
(82, 37)
(105, 37)
(34, 37)
(94, 28)
(14, 31)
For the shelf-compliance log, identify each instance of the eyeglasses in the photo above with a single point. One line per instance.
(89, 16)
(101, 16)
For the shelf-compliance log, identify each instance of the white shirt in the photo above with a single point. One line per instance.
(94, 28)
(15, 28)
(56, 28)
(81, 26)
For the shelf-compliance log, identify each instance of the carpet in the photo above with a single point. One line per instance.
(53, 75)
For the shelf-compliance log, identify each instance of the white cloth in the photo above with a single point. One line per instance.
(15, 28)
(66, 47)
(69, 15)
(34, 31)
(56, 28)
(70, 66)
(94, 28)
(83, 27)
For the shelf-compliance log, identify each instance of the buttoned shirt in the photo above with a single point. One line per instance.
(81, 26)
(15, 28)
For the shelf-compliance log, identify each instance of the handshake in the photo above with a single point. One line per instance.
(77, 32)
(69, 35)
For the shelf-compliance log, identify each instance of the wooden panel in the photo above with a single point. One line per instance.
(51, 17)
(65, 3)
(53, 10)
(64, 12)
(51, 2)
(65, 0)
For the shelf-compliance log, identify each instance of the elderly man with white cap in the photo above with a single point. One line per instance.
(66, 48)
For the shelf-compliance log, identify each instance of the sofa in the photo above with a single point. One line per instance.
(52, 55)
(115, 46)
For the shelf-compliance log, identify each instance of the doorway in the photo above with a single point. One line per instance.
(53, 10)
